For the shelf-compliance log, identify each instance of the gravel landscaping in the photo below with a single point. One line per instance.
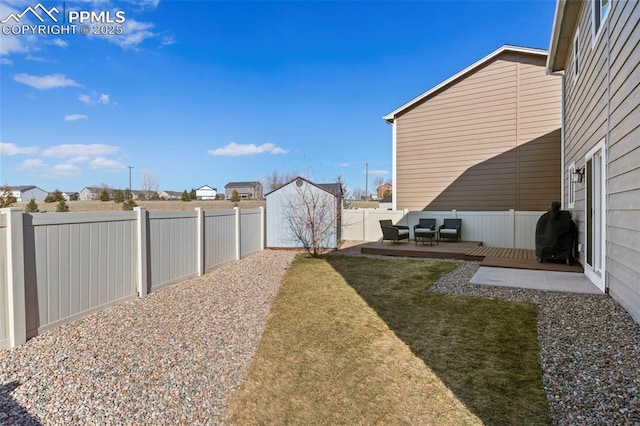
(174, 356)
(171, 357)
(589, 349)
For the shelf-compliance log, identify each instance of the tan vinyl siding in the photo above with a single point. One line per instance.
(488, 141)
(605, 102)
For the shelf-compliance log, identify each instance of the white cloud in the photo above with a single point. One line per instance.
(76, 150)
(95, 99)
(134, 33)
(8, 149)
(79, 159)
(106, 164)
(378, 172)
(45, 82)
(35, 166)
(32, 165)
(236, 150)
(343, 164)
(5, 61)
(10, 43)
(65, 170)
(60, 43)
(75, 117)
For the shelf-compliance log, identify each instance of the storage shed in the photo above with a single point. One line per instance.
(292, 208)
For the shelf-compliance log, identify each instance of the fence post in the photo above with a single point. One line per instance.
(512, 217)
(200, 240)
(142, 250)
(237, 210)
(364, 225)
(262, 228)
(15, 277)
(454, 212)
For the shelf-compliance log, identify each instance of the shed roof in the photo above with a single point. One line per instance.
(332, 188)
(506, 48)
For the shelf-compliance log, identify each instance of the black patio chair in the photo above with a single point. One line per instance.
(393, 232)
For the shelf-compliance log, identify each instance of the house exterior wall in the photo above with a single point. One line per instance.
(206, 193)
(603, 103)
(488, 141)
(249, 191)
(32, 193)
(87, 195)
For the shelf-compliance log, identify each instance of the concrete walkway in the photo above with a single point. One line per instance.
(571, 282)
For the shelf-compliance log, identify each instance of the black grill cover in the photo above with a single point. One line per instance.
(556, 235)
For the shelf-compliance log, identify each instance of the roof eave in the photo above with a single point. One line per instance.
(564, 23)
(390, 118)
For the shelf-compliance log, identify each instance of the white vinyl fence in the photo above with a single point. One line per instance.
(58, 267)
(511, 229)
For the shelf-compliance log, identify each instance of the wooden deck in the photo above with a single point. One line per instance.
(443, 250)
(471, 250)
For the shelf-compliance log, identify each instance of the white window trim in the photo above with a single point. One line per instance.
(603, 19)
(571, 193)
(575, 59)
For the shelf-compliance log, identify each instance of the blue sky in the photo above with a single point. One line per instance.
(207, 92)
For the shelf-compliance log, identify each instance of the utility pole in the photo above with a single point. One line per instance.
(130, 194)
(366, 183)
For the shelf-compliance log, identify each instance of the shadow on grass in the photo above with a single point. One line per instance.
(485, 351)
(11, 412)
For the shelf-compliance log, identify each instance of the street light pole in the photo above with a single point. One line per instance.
(366, 181)
(130, 194)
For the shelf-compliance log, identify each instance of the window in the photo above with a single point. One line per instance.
(572, 186)
(599, 14)
(575, 60)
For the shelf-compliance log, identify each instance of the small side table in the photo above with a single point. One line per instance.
(424, 234)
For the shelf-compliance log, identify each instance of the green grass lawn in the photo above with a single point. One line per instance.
(361, 341)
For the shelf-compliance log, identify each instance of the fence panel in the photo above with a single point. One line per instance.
(219, 237)
(250, 231)
(76, 263)
(526, 229)
(493, 228)
(173, 244)
(4, 281)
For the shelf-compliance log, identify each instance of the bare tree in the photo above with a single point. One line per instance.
(377, 182)
(311, 214)
(275, 180)
(357, 193)
(149, 185)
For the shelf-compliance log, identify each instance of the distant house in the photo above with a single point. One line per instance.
(382, 189)
(487, 138)
(90, 193)
(171, 195)
(206, 192)
(246, 190)
(67, 195)
(28, 192)
(595, 45)
(282, 204)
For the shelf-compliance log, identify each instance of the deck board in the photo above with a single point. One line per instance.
(499, 257)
